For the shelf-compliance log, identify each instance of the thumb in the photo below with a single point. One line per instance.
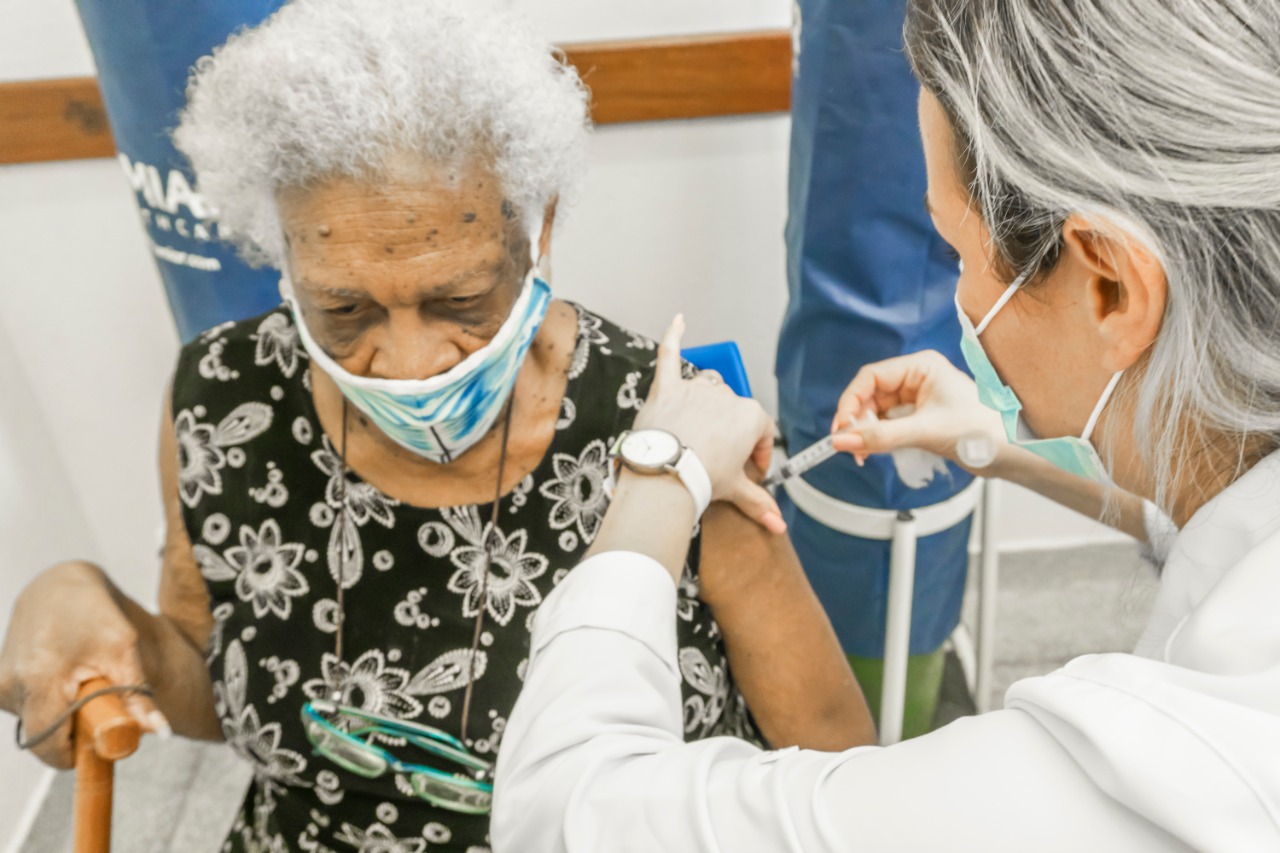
(126, 672)
(755, 502)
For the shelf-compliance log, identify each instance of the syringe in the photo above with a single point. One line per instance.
(815, 454)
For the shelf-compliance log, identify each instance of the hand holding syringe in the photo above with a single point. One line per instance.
(916, 468)
(930, 410)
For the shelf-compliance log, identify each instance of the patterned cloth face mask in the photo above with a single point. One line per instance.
(1073, 455)
(443, 416)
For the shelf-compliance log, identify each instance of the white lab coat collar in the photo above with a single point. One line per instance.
(1217, 538)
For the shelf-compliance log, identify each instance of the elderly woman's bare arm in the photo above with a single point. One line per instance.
(783, 650)
(72, 623)
(182, 628)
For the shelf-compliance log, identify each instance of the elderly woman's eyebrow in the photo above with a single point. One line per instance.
(358, 294)
(334, 292)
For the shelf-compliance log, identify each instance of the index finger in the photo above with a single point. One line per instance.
(881, 381)
(668, 366)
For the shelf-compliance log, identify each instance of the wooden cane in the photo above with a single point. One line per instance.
(104, 733)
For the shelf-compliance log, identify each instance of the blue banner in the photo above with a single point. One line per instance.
(144, 50)
(868, 279)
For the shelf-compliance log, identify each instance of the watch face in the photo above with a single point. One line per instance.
(650, 448)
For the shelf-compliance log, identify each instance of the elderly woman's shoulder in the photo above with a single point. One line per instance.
(610, 345)
(612, 368)
(268, 342)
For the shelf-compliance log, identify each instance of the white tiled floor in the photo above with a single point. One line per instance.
(181, 796)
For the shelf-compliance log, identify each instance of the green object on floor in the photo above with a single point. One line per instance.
(924, 679)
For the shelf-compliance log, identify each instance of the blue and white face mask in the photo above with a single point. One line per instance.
(442, 416)
(1071, 454)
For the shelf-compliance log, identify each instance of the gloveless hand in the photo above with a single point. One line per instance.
(67, 628)
(948, 420)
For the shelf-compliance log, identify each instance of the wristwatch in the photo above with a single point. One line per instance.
(656, 451)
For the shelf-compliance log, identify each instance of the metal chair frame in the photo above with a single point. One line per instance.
(902, 528)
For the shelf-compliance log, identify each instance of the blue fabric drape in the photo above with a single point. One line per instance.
(144, 50)
(868, 279)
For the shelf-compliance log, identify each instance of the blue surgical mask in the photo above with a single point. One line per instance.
(443, 416)
(1071, 454)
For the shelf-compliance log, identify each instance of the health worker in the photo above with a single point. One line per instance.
(1108, 172)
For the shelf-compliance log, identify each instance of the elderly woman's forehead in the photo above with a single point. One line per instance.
(423, 224)
(351, 264)
(420, 184)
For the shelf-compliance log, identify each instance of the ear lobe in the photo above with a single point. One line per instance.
(1126, 289)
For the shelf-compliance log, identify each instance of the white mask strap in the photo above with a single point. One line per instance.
(1102, 404)
(1002, 301)
(535, 241)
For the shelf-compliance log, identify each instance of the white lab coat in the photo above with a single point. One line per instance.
(1174, 747)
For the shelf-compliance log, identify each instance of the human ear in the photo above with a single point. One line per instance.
(1126, 289)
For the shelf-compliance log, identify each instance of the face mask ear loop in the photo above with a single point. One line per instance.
(290, 299)
(286, 284)
(1102, 404)
(535, 242)
(1002, 301)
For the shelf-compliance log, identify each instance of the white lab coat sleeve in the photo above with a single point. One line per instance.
(593, 758)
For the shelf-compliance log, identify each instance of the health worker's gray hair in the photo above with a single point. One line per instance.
(1160, 122)
(328, 88)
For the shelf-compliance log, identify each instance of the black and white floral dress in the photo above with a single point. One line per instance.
(260, 489)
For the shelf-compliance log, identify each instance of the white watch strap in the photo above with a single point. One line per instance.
(693, 474)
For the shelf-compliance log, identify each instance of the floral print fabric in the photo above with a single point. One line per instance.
(261, 494)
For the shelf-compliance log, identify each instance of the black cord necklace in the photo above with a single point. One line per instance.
(489, 535)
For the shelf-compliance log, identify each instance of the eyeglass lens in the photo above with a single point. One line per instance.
(339, 749)
(452, 795)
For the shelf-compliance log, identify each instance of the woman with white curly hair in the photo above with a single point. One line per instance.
(370, 489)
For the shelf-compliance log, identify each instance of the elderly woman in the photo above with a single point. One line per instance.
(370, 489)
(1109, 173)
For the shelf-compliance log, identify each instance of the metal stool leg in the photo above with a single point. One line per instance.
(988, 581)
(902, 529)
(897, 636)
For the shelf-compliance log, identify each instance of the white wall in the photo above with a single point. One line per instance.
(83, 309)
(568, 21)
(42, 38)
(41, 521)
(674, 216)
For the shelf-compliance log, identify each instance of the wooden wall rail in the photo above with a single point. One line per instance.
(53, 120)
(648, 80)
(691, 77)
